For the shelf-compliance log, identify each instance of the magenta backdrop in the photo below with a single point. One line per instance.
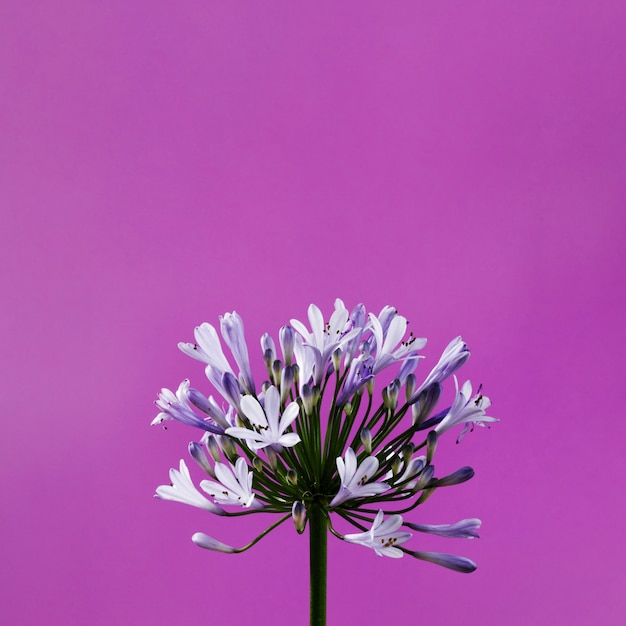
(164, 162)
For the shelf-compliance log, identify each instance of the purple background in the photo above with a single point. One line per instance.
(164, 162)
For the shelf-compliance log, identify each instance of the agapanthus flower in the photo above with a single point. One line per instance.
(322, 441)
(183, 490)
(466, 410)
(267, 427)
(234, 486)
(355, 479)
(382, 537)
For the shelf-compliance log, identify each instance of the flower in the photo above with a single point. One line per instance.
(387, 340)
(354, 479)
(454, 356)
(183, 490)
(267, 429)
(466, 410)
(234, 486)
(231, 326)
(323, 339)
(207, 348)
(382, 537)
(177, 406)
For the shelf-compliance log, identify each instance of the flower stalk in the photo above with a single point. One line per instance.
(318, 559)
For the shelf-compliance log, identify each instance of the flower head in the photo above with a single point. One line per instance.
(321, 438)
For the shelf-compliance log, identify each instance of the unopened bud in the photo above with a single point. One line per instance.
(407, 452)
(229, 448)
(287, 337)
(286, 380)
(366, 439)
(257, 464)
(298, 513)
(307, 399)
(431, 445)
(269, 347)
(214, 448)
(456, 478)
(393, 389)
(337, 359)
(292, 477)
(268, 357)
(197, 453)
(410, 385)
(277, 368)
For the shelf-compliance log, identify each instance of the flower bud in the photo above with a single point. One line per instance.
(287, 338)
(431, 445)
(268, 347)
(286, 380)
(232, 390)
(410, 385)
(337, 359)
(366, 439)
(307, 399)
(208, 543)
(277, 368)
(213, 447)
(229, 448)
(407, 452)
(292, 477)
(456, 478)
(298, 513)
(197, 453)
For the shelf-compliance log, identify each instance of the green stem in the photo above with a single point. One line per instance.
(318, 535)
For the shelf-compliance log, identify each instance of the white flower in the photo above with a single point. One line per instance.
(207, 348)
(354, 479)
(177, 406)
(323, 339)
(466, 410)
(234, 486)
(382, 536)
(183, 490)
(454, 356)
(269, 430)
(387, 350)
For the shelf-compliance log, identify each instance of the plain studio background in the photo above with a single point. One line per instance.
(164, 162)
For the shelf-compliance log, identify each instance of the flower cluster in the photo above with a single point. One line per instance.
(316, 433)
